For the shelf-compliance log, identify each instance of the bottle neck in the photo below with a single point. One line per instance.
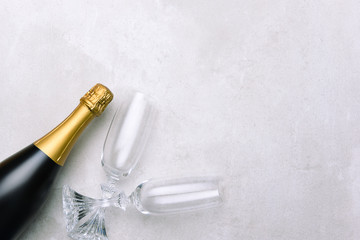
(58, 143)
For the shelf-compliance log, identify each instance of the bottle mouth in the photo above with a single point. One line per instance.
(97, 99)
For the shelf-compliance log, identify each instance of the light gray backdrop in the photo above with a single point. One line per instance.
(264, 93)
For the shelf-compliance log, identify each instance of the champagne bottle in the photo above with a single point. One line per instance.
(26, 176)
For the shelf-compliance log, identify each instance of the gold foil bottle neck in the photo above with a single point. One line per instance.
(97, 98)
(58, 143)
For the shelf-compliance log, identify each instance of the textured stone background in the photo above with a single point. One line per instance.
(264, 93)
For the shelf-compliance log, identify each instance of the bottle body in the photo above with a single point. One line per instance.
(25, 180)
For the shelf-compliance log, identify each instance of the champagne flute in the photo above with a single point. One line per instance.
(155, 197)
(126, 139)
(123, 146)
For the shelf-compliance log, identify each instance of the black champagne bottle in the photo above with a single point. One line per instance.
(26, 176)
